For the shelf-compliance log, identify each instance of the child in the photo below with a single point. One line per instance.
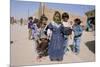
(67, 25)
(56, 44)
(77, 29)
(42, 42)
(35, 29)
(30, 23)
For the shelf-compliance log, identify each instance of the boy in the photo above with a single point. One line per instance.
(67, 26)
(42, 42)
(77, 29)
(30, 23)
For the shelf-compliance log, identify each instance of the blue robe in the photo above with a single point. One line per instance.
(56, 44)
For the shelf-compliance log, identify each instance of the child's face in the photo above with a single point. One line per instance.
(30, 19)
(44, 21)
(57, 17)
(75, 23)
(43, 25)
(65, 19)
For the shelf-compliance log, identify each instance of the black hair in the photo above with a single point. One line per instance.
(30, 18)
(36, 20)
(77, 21)
(40, 21)
(65, 15)
(43, 17)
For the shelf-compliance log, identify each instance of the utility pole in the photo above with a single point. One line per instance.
(28, 12)
(41, 9)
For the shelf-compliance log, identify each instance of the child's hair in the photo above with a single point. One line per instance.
(77, 21)
(30, 18)
(43, 17)
(40, 22)
(36, 20)
(65, 15)
(57, 12)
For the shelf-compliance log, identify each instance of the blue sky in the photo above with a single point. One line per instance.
(20, 8)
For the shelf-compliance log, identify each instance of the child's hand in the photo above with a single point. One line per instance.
(49, 33)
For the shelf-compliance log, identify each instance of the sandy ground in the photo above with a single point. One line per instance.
(23, 50)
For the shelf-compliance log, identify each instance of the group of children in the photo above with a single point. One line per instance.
(52, 39)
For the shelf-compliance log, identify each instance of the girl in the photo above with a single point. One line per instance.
(56, 44)
(77, 29)
(67, 25)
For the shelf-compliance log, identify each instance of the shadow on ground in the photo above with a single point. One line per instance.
(91, 45)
